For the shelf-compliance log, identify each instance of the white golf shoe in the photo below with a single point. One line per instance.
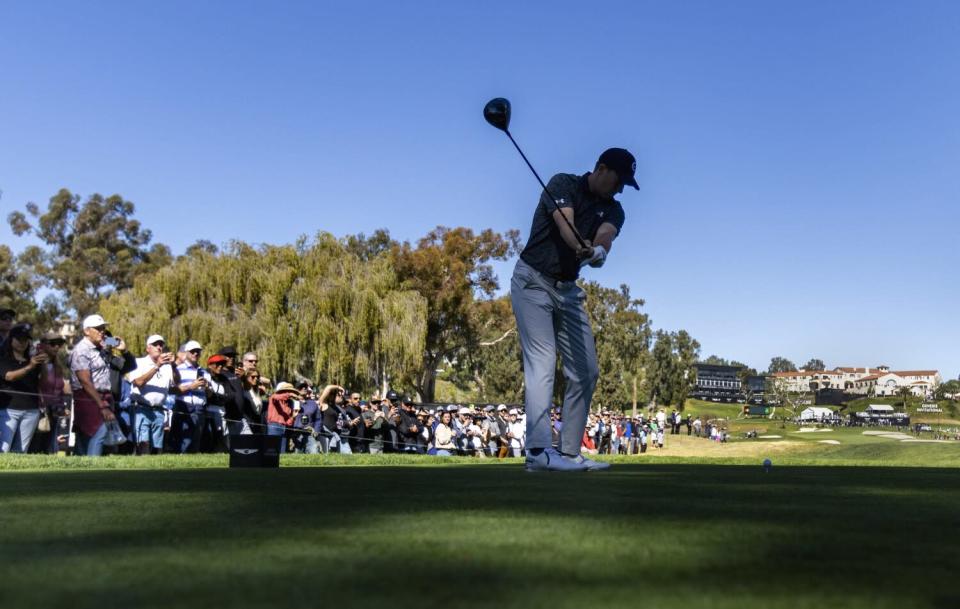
(590, 464)
(550, 460)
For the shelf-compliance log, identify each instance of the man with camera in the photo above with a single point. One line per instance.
(391, 412)
(409, 427)
(374, 425)
(92, 364)
(186, 425)
(155, 377)
(308, 422)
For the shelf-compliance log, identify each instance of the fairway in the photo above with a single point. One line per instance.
(487, 535)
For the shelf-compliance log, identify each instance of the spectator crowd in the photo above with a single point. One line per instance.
(179, 400)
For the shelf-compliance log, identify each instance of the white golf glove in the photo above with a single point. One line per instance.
(597, 259)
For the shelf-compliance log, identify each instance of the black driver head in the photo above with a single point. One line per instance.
(497, 113)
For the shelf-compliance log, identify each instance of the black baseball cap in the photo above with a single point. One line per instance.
(621, 161)
(21, 331)
(229, 351)
(393, 396)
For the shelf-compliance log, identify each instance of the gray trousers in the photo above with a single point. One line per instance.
(551, 318)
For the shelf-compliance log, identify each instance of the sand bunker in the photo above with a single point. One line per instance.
(828, 441)
(927, 441)
(769, 437)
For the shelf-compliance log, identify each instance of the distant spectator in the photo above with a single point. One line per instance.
(186, 426)
(90, 366)
(391, 412)
(253, 400)
(230, 352)
(354, 430)
(225, 414)
(251, 361)
(154, 379)
(54, 388)
(491, 431)
(121, 362)
(443, 436)
(20, 394)
(336, 422)
(374, 422)
(280, 412)
(605, 434)
(308, 420)
(409, 428)
(517, 433)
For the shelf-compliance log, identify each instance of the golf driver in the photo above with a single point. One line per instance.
(497, 113)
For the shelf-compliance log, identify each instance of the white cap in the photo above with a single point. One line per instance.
(93, 321)
(513, 411)
(154, 338)
(463, 410)
(501, 407)
(190, 345)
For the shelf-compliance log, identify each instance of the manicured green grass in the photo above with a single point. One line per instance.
(469, 533)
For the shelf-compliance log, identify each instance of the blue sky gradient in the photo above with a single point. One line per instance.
(798, 161)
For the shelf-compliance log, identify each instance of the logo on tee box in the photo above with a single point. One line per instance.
(246, 451)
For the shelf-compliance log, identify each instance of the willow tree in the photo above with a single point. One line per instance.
(313, 309)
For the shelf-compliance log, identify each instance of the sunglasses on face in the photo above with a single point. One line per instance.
(54, 343)
(195, 351)
(159, 343)
(251, 361)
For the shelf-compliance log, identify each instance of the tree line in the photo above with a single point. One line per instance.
(366, 311)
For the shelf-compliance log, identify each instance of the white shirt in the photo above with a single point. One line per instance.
(154, 392)
(519, 430)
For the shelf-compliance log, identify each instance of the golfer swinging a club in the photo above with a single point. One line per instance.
(578, 231)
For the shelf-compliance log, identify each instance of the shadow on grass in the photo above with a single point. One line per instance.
(661, 535)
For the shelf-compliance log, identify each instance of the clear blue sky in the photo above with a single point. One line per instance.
(798, 161)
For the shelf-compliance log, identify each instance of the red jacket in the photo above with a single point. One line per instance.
(280, 409)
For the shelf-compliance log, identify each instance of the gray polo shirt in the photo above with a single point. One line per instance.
(87, 356)
(546, 250)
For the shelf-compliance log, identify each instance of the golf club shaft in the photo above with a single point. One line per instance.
(549, 194)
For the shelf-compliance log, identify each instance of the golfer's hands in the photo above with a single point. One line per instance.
(598, 255)
(584, 252)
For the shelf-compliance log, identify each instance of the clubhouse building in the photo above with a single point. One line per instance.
(879, 381)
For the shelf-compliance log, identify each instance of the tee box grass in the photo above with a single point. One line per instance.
(186, 532)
